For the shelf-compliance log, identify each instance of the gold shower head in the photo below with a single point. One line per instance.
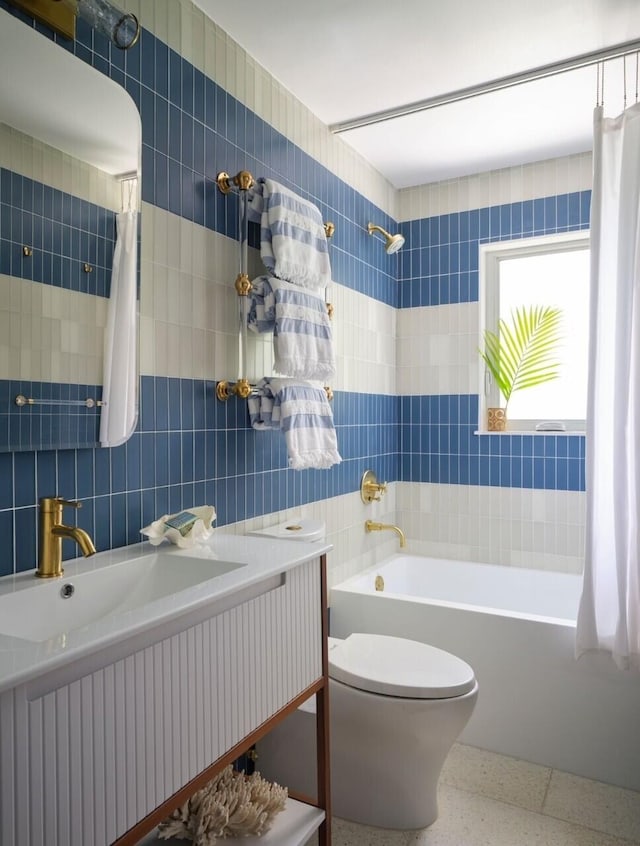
(392, 242)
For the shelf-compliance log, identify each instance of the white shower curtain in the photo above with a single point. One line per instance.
(119, 392)
(609, 614)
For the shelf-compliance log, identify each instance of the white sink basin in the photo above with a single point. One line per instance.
(40, 611)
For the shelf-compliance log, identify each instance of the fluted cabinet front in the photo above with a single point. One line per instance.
(82, 761)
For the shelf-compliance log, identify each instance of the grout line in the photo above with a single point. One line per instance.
(546, 793)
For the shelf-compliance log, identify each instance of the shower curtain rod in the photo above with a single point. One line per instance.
(582, 61)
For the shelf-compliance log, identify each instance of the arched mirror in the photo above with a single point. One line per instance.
(70, 143)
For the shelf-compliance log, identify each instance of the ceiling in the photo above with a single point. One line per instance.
(348, 58)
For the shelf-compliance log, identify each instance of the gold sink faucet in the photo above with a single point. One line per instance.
(370, 526)
(52, 532)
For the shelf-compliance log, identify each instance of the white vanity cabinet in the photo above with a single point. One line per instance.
(100, 750)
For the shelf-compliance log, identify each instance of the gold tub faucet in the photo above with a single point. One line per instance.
(370, 526)
(52, 532)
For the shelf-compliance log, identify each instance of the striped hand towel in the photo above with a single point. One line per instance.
(293, 243)
(302, 337)
(303, 413)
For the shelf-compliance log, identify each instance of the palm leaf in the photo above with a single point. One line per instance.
(522, 354)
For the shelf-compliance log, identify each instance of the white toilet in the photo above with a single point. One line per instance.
(396, 708)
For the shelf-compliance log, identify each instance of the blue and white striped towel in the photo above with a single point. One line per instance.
(303, 413)
(293, 243)
(302, 336)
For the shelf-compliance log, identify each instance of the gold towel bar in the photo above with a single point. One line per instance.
(243, 181)
(243, 389)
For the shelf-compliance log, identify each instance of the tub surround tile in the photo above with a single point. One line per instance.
(602, 807)
(345, 833)
(495, 776)
(520, 527)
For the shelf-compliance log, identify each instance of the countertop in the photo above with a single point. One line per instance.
(23, 660)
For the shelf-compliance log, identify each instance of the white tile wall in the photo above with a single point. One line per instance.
(437, 349)
(514, 526)
(365, 339)
(50, 334)
(188, 307)
(29, 157)
(189, 313)
(507, 185)
(353, 549)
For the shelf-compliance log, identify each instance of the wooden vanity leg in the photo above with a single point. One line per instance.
(322, 720)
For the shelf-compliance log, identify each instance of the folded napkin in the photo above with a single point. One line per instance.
(293, 243)
(304, 414)
(302, 336)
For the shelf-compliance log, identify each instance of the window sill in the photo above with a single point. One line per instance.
(534, 432)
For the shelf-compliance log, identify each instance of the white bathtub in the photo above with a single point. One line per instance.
(516, 628)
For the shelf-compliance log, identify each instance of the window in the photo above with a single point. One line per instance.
(545, 271)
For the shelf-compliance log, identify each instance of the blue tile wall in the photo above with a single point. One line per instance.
(439, 262)
(439, 265)
(60, 417)
(438, 444)
(64, 232)
(189, 448)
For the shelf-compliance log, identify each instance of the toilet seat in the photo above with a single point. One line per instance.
(394, 666)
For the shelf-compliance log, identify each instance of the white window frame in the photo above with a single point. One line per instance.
(489, 261)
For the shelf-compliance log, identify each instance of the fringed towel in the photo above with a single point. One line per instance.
(293, 243)
(304, 414)
(302, 337)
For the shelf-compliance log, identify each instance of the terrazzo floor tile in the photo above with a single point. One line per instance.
(469, 820)
(603, 807)
(344, 833)
(496, 776)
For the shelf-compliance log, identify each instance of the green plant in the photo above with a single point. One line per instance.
(522, 354)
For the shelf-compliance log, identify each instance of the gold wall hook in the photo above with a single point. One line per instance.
(242, 388)
(222, 390)
(87, 268)
(242, 285)
(242, 180)
(329, 229)
(223, 181)
(27, 252)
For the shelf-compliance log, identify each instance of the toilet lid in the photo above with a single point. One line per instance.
(394, 666)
